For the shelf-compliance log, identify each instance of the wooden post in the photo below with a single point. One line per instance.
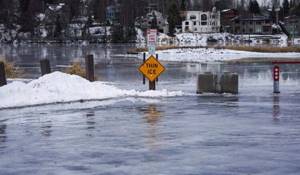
(89, 68)
(45, 67)
(2, 75)
(152, 85)
(144, 59)
(157, 60)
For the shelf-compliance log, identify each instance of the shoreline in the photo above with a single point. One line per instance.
(259, 49)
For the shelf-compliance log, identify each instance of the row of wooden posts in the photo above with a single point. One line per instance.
(46, 69)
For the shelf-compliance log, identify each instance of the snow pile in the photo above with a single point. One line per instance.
(60, 88)
(199, 39)
(212, 55)
(140, 38)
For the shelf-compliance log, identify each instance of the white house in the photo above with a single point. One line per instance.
(202, 22)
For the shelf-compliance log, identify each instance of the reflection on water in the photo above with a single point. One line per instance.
(2, 134)
(46, 128)
(276, 107)
(90, 120)
(152, 117)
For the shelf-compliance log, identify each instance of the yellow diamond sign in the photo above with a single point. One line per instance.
(152, 68)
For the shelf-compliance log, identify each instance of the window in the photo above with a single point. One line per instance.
(203, 17)
(204, 23)
(187, 23)
(195, 23)
(193, 17)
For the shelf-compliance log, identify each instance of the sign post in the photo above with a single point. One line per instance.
(151, 41)
(152, 69)
(276, 77)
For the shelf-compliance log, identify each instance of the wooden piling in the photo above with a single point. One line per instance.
(89, 68)
(229, 83)
(152, 85)
(2, 75)
(144, 60)
(45, 67)
(157, 60)
(207, 83)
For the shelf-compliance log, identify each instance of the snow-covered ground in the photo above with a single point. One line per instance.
(59, 87)
(222, 39)
(215, 55)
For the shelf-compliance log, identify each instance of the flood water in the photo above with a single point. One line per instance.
(254, 132)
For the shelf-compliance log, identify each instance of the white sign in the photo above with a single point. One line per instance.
(151, 41)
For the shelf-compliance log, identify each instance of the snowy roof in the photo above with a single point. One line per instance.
(255, 18)
(56, 7)
(225, 10)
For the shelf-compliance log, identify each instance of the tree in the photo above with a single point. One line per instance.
(154, 21)
(296, 10)
(58, 27)
(286, 8)
(29, 9)
(183, 5)
(173, 17)
(254, 7)
(117, 33)
(223, 4)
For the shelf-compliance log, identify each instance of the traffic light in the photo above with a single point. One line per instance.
(276, 73)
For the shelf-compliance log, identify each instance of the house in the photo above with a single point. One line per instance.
(113, 13)
(226, 16)
(145, 22)
(77, 28)
(252, 25)
(202, 22)
(52, 22)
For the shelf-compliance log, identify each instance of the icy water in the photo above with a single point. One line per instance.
(254, 132)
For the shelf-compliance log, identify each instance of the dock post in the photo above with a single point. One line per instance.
(45, 67)
(144, 60)
(207, 83)
(3, 81)
(229, 83)
(89, 68)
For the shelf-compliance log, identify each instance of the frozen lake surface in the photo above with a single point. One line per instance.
(254, 132)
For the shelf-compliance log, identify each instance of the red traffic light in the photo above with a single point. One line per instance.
(276, 73)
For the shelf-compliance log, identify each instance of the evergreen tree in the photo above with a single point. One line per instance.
(254, 7)
(183, 5)
(173, 17)
(222, 4)
(296, 10)
(29, 9)
(154, 21)
(58, 28)
(286, 8)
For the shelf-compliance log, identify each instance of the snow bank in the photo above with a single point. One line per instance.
(215, 55)
(60, 88)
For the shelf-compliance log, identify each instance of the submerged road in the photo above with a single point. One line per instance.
(254, 132)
